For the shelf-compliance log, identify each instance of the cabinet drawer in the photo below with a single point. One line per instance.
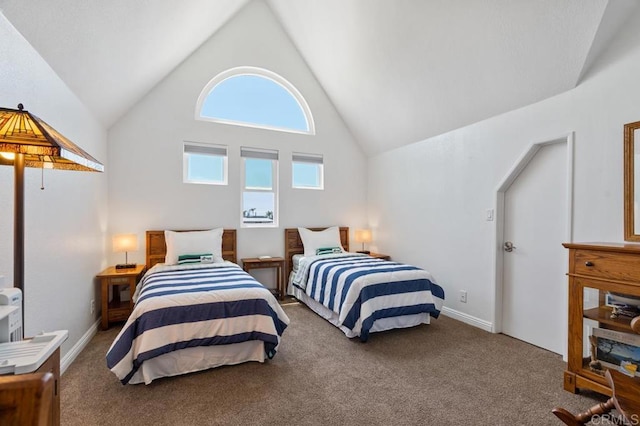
(603, 264)
(120, 314)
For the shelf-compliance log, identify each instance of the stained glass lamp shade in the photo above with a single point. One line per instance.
(23, 133)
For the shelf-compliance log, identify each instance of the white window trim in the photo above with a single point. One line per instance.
(213, 148)
(301, 158)
(260, 72)
(274, 189)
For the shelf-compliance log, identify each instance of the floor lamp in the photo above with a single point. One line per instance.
(27, 141)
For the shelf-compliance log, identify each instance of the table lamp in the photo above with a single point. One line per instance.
(125, 243)
(363, 236)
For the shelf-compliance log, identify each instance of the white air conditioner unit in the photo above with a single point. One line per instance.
(10, 315)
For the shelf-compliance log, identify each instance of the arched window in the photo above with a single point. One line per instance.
(255, 97)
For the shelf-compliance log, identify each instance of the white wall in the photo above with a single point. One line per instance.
(428, 200)
(145, 148)
(65, 224)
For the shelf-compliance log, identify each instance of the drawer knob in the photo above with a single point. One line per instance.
(588, 263)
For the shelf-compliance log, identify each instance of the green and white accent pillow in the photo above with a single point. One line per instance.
(195, 258)
(328, 250)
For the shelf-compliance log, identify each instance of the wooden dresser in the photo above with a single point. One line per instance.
(52, 365)
(20, 395)
(596, 270)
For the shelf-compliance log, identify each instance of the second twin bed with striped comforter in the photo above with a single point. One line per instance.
(362, 290)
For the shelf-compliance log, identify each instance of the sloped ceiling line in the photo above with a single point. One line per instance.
(398, 72)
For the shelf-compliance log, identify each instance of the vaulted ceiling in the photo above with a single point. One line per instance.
(397, 71)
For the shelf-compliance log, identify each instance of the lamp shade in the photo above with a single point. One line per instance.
(23, 133)
(125, 243)
(363, 235)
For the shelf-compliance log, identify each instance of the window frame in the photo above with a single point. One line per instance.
(258, 72)
(302, 158)
(256, 153)
(212, 150)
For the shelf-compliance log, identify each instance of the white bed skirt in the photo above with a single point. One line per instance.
(198, 358)
(380, 325)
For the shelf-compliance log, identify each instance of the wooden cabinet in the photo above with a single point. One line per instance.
(596, 271)
(116, 309)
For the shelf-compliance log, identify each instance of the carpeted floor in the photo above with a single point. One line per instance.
(446, 373)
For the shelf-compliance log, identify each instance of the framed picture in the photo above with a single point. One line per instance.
(621, 300)
(614, 347)
(622, 305)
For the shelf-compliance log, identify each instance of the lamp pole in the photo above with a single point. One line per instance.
(18, 230)
(18, 233)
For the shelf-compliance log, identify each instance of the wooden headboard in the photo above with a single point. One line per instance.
(293, 244)
(157, 248)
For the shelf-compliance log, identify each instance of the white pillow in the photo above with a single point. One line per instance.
(313, 240)
(193, 242)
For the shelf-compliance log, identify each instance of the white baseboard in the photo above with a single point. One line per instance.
(467, 319)
(70, 356)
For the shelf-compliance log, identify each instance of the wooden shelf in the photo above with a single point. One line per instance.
(602, 314)
(117, 304)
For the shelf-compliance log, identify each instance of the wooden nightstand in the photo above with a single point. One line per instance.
(271, 262)
(115, 310)
(380, 256)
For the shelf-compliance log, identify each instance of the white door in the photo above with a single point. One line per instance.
(534, 282)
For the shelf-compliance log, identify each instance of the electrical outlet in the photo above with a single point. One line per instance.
(463, 296)
(93, 306)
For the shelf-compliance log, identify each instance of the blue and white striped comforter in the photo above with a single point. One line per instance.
(195, 305)
(361, 289)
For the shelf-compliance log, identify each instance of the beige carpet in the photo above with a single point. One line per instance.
(446, 373)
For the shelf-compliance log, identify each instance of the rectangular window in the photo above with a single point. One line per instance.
(259, 187)
(308, 171)
(204, 163)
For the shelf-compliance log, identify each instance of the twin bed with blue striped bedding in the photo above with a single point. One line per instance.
(361, 294)
(197, 306)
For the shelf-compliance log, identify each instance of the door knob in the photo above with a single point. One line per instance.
(508, 246)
